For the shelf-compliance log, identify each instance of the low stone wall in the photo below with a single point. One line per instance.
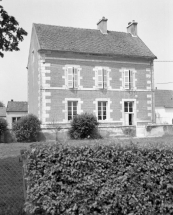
(158, 130)
(105, 131)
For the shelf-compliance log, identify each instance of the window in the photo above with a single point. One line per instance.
(72, 77)
(102, 78)
(15, 119)
(129, 112)
(72, 109)
(128, 79)
(102, 110)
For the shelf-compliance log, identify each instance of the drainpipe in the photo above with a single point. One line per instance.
(153, 92)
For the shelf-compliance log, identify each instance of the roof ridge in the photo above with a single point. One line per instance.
(78, 28)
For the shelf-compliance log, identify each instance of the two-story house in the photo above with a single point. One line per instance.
(75, 70)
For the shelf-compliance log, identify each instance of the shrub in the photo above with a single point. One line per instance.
(3, 127)
(83, 126)
(99, 180)
(27, 128)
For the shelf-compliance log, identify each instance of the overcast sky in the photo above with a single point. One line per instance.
(155, 28)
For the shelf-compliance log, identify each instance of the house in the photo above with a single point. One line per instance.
(75, 70)
(15, 110)
(164, 106)
(3, 112)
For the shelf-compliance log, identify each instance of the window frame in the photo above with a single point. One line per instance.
(75, 76)
(128, 79)
(72, 102)
(102, 105)
(133, 112)
(104, 74)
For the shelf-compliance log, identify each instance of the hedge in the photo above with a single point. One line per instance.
(99, 180)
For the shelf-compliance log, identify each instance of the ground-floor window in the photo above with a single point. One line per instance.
(129, 112)
(72, 109)
(15, 119)
(102, 110)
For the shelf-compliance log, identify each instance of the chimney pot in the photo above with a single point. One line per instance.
(11, 100)
(102, 25)
(132, 28)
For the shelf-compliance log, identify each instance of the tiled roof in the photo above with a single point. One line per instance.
(14, 106)
(91, 41)
(2, 111)
(164, 98)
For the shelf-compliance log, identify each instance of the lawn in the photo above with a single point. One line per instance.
(11, 182)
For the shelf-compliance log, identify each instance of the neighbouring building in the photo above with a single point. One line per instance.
(164, 106)
(75, 70)
(15, 110)
(3, 112)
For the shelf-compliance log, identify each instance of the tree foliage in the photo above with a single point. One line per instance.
(27, 128)
(83, 126)
(3, 126)
(1, 104)
(10, 32)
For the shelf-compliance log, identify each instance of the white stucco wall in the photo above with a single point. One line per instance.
(13, 114)
(164, 115)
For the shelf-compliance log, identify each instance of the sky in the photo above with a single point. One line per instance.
(155, 28)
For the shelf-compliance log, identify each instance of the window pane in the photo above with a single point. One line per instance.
(99, 117)
(104, 104)
(104, 117)
(69, 117)
(99, 103)
(69, 103)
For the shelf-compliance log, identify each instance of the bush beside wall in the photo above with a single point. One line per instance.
(99, 180)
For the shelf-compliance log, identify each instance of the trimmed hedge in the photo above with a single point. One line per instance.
(110, 180)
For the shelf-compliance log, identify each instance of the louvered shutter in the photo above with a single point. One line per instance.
(70, 77)
(126, 79)
(100, 78)
(131, 79)
(105, 73)
(76, 78)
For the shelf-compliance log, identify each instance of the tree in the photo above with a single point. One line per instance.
(10, 32)
(1, 104)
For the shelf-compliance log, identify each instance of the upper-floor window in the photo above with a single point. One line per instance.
(102, 77)
(72, 76)
(129, 79)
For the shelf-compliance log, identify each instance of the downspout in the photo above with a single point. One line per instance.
(153, 92)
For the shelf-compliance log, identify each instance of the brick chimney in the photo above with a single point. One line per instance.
(132, 28)
(102, 25)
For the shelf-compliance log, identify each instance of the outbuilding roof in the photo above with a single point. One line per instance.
(15, 106)
(91, 41)
(164, 98)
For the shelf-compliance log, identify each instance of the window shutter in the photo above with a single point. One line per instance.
(126, 79)
(76, 78)
(70, 77)
(100, 78)
(131, 80)
(105, 72)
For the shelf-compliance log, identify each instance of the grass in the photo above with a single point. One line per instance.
(11, 182)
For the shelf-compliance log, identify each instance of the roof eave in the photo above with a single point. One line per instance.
(100, 54)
